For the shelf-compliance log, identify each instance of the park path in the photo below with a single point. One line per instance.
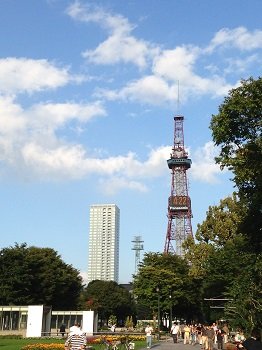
(168, 344)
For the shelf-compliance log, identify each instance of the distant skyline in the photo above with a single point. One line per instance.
(88, 92)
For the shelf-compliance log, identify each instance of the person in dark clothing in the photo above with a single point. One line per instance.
(253, 342)
(220, 339)
(62, 330)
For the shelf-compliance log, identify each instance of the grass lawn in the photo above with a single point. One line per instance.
(17, 344)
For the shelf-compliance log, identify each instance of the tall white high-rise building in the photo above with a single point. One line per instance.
(103, 252)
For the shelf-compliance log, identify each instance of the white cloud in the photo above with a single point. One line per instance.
(12, 119)
(83, 274)
(115, 184)
(87, 13)
(28, 75)
(176, 64)
(242, 65)
(120, 46)
(150, 89)
(73, 162)
(169, 68)
(239, 38)
(204, 167)
(58, 114)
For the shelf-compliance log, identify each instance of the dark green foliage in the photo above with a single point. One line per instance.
(231, 235)
(166, 276)
(31, 275)
(237, 129)
(108, 298)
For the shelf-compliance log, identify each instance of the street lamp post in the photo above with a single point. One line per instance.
(170, 315)
(158, 311)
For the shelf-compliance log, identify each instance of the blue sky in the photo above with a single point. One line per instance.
(88, 92)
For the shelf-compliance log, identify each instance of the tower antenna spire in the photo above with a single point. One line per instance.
(178, 98)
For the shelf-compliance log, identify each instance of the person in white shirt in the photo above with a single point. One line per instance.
(75, 329)
(148, 331)
(175, 329)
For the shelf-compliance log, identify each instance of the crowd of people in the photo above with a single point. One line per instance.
(205, 335)
(209, 335)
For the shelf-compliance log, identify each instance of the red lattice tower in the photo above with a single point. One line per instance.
(179, 204)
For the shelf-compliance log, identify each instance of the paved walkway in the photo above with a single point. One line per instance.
(168, 344)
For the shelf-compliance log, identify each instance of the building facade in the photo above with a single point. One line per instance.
(103, 252)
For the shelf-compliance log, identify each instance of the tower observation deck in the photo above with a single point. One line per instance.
(179, 204)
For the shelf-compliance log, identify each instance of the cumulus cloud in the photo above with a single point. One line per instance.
(150, 89)
(120, 46)
(27, 75)
(239, 38)
(113, 185)
(57, 114)
(204, 167)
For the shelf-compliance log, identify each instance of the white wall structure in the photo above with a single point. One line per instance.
(103, 252)
(38, 320)
(88, 322)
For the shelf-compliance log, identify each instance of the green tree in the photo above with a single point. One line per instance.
(226, 267)
(245, 309)
(162, 276)
(220, 226)
(31, 275)
(108, 298)
(237, 130)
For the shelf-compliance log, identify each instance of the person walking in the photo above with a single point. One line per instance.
(253, 342)
(148, 331)
(210, 337)
(75, 341)
(220, 339)
(186, 334)
(204, 337)
(175, 332)
(62, 329)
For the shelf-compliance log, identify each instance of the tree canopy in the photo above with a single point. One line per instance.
(226, 268)
(236, 129)
(230, 238)
(108, 298)
(165, 276)
(32, 275)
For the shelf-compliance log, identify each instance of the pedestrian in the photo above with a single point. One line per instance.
(186, 334)
(220, 339)
(253, 342)
(75, 329)
(199, 333)
(113, 328)
(226, 332)
(175, 332)
(148, 331)
(204, 337)
(210, 337)
(75, 341)
(62, 330)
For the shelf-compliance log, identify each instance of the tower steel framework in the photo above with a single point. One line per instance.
(179, 204)
(137, 247)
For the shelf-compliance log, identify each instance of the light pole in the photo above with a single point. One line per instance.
(170, 315)
(158, 311)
